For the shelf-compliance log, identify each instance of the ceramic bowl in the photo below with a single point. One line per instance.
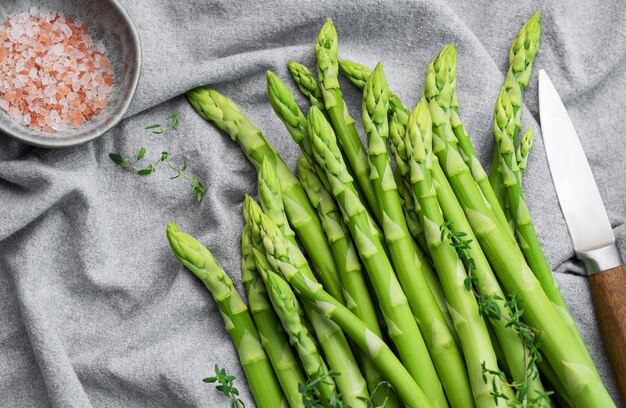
(109, 23)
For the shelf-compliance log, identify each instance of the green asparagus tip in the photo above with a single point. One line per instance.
(376, 102)
(188, 250)
(503, 117)
(418, 139)
(262, 265)
(327, 38)
(269, 187)
(247, 208)
(357, 73)
(270, 76)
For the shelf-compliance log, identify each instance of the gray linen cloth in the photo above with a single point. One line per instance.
(94, 308)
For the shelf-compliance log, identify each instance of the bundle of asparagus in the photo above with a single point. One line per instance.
(428, 277)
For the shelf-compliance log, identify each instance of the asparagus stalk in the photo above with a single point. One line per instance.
(326, 49)
(357, 73)
(371, 344)
(521, 57)
(216, 108)
(444, 352)
(273, 338)
(403, 329)
(288, 310)
(561, 347)
(279, 249)
(199, 260)
(471, 328)
(303, 77)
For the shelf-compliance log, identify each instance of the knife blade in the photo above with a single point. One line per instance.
(587, 222)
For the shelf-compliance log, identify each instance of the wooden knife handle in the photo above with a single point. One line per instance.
(608, 291)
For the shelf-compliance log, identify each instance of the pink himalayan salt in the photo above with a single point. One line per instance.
(53, 75)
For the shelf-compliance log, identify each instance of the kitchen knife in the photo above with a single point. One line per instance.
(587, 222)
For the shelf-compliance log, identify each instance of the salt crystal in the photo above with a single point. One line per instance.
(66, 30)
(59, 127)
(57, 49)
(50, 91)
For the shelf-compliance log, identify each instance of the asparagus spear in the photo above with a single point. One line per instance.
(561, 347)
(521, 57)
(326, 49)
(475, 340)
(307, 84)
(288, 310)
(280, 249)
(273, 338)
(404, 254)
(503, 128)
(357, 73)
(199, 260)
(216, 108)
(403, 329)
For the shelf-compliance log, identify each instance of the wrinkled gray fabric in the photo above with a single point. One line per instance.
(95, 310)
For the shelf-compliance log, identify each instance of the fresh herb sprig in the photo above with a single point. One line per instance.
(129, 164)
(225, 386)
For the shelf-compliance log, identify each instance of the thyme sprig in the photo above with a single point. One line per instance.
(130, 164)
(225, 386)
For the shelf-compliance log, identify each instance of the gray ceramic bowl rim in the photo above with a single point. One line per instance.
(117, 116)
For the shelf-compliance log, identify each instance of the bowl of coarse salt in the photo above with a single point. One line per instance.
(68, 69)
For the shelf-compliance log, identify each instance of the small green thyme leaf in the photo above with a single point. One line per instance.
(116, 158)
(141, 153)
